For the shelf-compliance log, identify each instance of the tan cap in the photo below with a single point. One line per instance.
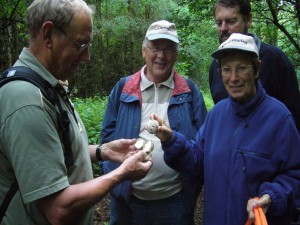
(162, 30)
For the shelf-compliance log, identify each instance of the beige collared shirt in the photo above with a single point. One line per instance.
(161, 181)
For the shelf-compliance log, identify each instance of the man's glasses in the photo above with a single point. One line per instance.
(166, 51)
(80, 47)
(227, 71)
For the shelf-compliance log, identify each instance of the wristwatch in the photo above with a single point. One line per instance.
(98, 153)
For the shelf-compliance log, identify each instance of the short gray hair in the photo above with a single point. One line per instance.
(60, 12)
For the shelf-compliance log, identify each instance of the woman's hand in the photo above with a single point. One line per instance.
(264, 202)
(164, 133)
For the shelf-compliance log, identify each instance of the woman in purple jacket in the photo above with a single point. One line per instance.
(248, 146)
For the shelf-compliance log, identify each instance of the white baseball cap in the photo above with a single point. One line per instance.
(236, 41)
(162, 30)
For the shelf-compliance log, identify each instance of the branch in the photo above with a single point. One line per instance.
(7, 23)
(281, 27)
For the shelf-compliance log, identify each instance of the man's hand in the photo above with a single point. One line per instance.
(118, 150)
(135, 167)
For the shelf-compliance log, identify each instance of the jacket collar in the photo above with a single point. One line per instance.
(243, 110)
(133, 87)
(145, 83)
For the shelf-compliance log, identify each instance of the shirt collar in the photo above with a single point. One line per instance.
(27, 59)
(145, 83)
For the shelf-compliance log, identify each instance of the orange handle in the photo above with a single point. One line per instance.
(260, 218)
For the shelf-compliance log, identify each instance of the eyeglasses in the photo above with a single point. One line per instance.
(166, 51)
(227, 71)
(80, 47)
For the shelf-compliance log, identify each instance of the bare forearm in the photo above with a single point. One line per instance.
(65, 206)
(92, 149)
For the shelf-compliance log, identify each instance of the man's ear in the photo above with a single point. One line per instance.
(249, 21)
(144, 51)
(47, 33)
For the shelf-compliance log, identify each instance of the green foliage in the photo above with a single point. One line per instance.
(195, 49)
(120, 27)
(91, 111)
(208, 100)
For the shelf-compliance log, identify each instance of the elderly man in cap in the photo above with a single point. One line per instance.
(248, 147)
(164, 196)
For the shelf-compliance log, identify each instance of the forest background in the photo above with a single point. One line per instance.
(120, 27)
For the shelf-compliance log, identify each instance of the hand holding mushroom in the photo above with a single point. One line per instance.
(162, 131)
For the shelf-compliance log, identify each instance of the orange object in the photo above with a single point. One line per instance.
(260, 218)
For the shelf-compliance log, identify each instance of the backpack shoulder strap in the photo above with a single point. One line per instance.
(191, 84)
(119, 91)
(10, 194)
(28, 75)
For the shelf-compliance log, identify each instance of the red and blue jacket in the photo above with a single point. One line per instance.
(186, 113)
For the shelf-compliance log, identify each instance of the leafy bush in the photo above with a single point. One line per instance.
(208, 100)
(91, 111)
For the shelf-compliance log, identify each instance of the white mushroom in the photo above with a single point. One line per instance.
(152, 126)
(148, 149)
(139, 144)
(146, 146)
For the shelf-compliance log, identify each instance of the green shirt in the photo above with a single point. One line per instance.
(31, 148)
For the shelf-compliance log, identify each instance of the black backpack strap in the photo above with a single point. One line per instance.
(64, 126)
(10, 194)
(191, 84)
(119, 91)
(26, 74)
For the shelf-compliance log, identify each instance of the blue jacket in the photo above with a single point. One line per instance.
(243, 151)
(122, 119)
(277, 76)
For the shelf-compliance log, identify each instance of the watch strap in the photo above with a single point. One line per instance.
(98, 153)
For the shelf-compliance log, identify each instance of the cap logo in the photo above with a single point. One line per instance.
(163, 28)
(234, 40)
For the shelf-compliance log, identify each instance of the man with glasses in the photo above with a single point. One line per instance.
(164, 196)
(277, 74)
(31, 143)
